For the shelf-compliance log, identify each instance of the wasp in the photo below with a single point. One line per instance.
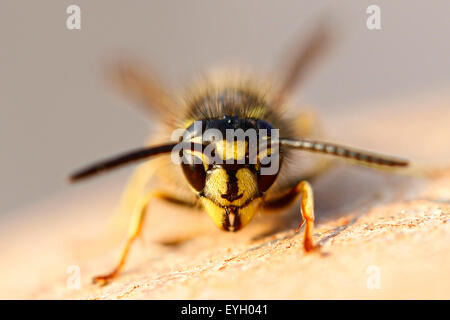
(230, 192)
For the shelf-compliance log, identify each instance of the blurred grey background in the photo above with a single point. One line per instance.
(58, 113)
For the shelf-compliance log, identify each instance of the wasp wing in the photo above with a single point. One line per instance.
(142, 84)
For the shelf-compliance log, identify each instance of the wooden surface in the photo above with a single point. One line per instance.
(383, 235)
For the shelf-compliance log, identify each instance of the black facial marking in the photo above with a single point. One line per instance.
(231, 197)
(232, 187)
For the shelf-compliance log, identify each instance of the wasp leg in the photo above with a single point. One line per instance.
(134, 229)
(306, 209)
(135, 188)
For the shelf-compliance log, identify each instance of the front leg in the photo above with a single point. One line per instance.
(306, 209)
(134, 230)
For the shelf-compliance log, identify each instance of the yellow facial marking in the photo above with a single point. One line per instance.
(218, 214)
(217, 185)
(231, 150)
(247, 213)
(247, 184)
(243, 208)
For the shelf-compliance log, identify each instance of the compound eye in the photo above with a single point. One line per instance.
(195, 173)
(266, 180)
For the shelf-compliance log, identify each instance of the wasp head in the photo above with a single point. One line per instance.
(229, 174)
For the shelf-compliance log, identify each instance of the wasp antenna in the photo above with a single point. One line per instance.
(344, 152)
(120, 160)
(302, 58)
